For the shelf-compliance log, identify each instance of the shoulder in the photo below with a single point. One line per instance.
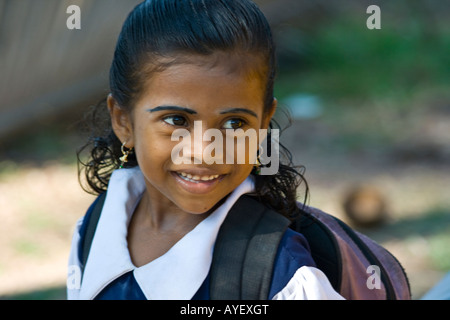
(296, 275)
(96, 204)
(308, 283)
(81, 230)
(294, 247)
(293, 253)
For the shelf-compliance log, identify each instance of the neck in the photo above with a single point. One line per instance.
(162, 215)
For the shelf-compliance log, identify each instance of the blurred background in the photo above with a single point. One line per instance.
(370, 123)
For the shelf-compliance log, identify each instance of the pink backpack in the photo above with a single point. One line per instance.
(357, 267)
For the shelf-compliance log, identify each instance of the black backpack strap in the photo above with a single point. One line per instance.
(249, 237)
(88, 232)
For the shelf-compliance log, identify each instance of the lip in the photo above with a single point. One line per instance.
(200, 186)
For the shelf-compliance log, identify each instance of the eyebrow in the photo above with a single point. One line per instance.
(240, 110)
(190, 111)
(172, 108)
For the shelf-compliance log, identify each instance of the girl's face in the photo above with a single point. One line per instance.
(225, 92)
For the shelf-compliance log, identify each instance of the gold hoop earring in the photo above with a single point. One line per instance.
(126, 153)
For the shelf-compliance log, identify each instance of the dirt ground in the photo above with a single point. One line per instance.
(40, 205)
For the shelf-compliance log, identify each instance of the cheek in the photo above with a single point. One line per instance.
(244, 147)
(152, 151)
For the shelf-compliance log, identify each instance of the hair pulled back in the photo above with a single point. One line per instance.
(158, 33)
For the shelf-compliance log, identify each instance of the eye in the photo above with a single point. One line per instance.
(234, 124)
(178, 121)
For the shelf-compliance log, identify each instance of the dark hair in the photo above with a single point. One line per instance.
(158, 33)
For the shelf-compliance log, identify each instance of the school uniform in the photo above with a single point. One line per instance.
(182, 273)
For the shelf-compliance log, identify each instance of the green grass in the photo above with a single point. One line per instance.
(57, 293)
(346, 61)
(372, 84)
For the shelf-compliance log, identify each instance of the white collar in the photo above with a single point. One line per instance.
(179, 273)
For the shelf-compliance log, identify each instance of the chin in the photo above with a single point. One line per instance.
(200, 206)
(198, 209)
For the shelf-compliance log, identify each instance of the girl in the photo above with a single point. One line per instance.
(179, 63)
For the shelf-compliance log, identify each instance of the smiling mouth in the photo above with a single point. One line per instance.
(197, 178)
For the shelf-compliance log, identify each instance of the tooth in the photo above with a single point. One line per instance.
(189, 176)
(206, 178)
(196, 177)
(183, 174)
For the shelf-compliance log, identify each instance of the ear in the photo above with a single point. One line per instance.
(121, 122)
(268, 117)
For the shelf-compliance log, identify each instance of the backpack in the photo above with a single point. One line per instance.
(247, 244)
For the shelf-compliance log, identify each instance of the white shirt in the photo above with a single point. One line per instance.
(109, 257)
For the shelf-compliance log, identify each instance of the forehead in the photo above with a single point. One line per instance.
(220, 78)
(235, 63)
(231, 62)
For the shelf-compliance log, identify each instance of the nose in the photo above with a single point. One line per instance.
(198, 146)
(207, 145)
